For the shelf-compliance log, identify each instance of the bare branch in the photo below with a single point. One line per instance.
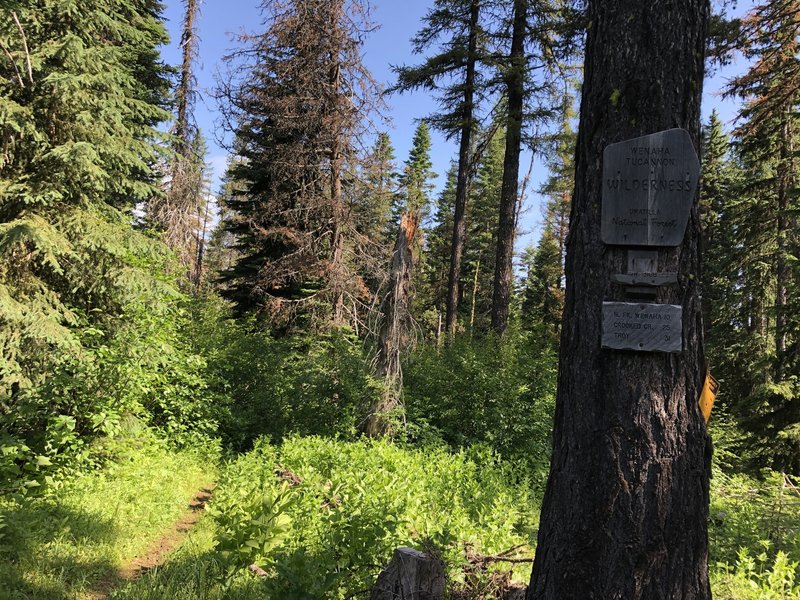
(24, 45)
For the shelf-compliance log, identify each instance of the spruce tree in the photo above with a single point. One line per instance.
(83, 91)
(767, 138)
(379, 197)
(542, 289)
(730, 282)
(414, 205)
(298, 106)
(481, 242)
(416, 179)
(433, 294)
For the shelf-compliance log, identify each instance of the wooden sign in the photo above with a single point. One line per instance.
(642, 326)
(649, 184)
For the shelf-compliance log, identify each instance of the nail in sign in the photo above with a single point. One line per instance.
(649, 184)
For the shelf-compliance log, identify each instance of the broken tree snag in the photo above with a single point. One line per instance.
(394, 334)
(624, 515)
(412, 575)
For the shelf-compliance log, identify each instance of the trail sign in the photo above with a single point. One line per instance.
(642, 326)
(649, 184)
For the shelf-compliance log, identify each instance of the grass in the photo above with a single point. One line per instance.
(329, 526)
(329, 535)
(65, 544)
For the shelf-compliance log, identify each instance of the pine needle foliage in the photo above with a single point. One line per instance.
(89, 322)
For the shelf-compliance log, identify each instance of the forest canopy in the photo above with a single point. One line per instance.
(362, 352)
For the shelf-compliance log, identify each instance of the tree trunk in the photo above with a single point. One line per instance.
(782, 276)
(474, 298)
(338, 213)
(412, 575)
(185, 91)
(462, 180)
(337, 254)
(625, 511)
(504, 266)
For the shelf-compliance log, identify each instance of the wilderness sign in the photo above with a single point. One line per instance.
(649, 183)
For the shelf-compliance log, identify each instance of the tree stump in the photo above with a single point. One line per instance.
(515, 593)
(412, 575)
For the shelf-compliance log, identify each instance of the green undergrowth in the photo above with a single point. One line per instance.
(64, 543)
(754, 535)
(323, 517)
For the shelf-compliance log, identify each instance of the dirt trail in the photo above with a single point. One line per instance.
(157, 552)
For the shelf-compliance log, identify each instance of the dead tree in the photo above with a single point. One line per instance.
(394, 334)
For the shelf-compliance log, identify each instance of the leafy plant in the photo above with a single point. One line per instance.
(485, 390)
(352, 503)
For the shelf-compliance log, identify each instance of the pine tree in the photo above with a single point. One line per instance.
(767, 137)
(179, 213)
(82, 92)
(379, 197)
(433, 295)
(543, 300)
(395, 328)
(481, 241)
(625, 512)
(735, 349)
(298, 107)
(415, 180)
(454, 73)
(534, 42)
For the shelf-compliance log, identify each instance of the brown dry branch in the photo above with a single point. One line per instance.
(394, 335)
(301, 155)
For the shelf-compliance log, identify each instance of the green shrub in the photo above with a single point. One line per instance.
(352, 504)
(485, 390)
(141, 366)
(309, 383)
(759, 578)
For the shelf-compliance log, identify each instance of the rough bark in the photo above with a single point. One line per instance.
(625, 511)
(462, 179)
(504, 267)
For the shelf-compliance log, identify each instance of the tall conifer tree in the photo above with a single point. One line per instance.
(82, 92)
(178, 214)
(299, 107)
(625, 512)
(454, 72)
(767, 137)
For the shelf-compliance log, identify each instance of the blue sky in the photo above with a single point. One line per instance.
(399, 20)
